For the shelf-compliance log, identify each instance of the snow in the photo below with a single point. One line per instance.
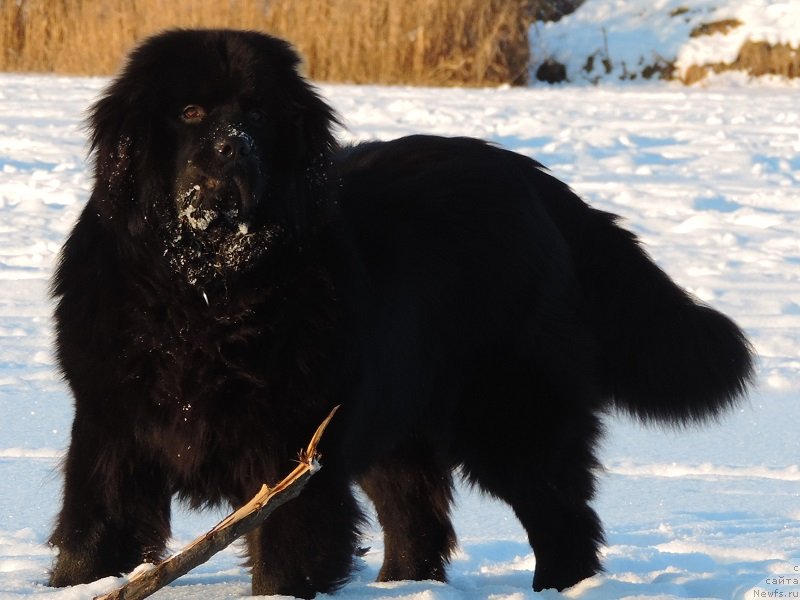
(707, 177)
(635, 33)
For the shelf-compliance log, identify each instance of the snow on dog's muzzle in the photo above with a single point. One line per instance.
(222, 184)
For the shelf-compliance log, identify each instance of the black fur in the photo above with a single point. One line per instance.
(235, 275)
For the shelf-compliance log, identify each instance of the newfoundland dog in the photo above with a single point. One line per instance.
(236, 273)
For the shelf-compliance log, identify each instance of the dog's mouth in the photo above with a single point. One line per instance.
(217, 233)
(209, 203)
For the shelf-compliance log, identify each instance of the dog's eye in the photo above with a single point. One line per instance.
(193, 114)
(256, 116)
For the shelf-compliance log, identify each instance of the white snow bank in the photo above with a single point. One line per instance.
(634, 34)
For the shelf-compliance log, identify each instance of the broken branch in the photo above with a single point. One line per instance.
(243, 520)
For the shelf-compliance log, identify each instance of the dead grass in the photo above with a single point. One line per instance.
(755, 59)
(432, 42)
(723, 27)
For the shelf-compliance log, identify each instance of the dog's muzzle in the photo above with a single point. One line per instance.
(222, 185)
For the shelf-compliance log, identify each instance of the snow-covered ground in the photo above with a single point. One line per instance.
(709, 178)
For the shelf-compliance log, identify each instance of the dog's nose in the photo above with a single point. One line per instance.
(234, 145)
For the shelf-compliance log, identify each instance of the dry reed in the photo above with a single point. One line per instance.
(432, 42)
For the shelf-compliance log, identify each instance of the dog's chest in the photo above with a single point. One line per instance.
(185, 347)
(227, 385)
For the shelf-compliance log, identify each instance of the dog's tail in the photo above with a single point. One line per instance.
(663, 355)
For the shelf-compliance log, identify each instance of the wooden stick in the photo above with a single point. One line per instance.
(245, 519)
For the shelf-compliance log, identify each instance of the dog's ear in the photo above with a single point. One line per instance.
(307, 110)
(305, 125)
(315, 118)
(313, 145)
(119, 131)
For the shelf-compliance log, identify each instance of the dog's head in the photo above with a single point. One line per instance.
(211, 139)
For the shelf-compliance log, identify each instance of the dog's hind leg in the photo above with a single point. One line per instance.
(412, 498)
(535, 452)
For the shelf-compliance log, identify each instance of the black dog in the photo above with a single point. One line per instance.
(235, 274)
